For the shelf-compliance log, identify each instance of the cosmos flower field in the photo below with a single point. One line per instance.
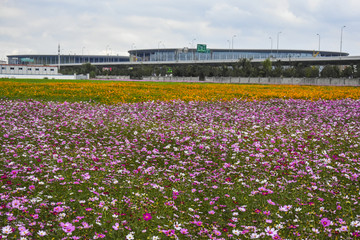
(257, 169)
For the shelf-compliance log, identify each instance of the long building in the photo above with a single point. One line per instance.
(47, 59)
(201, 53)
(204, 54)
(11, 69)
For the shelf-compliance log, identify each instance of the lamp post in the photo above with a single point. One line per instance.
(133, 47)
(319, 40)
(82, 54)
(232, 45)
(341, 36)
(59, 56)
(159, 50)
(278, 34)
(192, 42)
(192, 46)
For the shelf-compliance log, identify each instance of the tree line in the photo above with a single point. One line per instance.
(242, 68)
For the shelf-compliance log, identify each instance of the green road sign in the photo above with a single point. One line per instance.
(201, 48)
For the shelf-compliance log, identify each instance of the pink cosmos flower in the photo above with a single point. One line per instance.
(343, 229)
(217, 232)
(116, 226)
(270, 231)
(147, 216)
(198, 223)
(85, 225)
(325, 222)
(184, 231)
(58, 209)
(15, 204)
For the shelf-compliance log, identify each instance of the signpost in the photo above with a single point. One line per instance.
(201, 48)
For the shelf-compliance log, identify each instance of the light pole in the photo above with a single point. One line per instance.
(278, 43)
(133, 47)
(192, 42)
(192, 46)
(159, 50)
(341, 36)
(319, 40)
(59, 56)
(232, 45)
(82, 54)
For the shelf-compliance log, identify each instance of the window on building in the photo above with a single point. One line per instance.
(12, 68)
(36, 69)
(29, 69)
(20, 68)
(52, 69)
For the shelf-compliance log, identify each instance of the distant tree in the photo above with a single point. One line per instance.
(348, 72)
(87, 68)
(330, 71)
(277, 69)
(357, 71)
(266, 68)
(247, 69)
(225, 72)
(311, 72)
(289, 72)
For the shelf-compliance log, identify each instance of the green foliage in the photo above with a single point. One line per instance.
(348, 72)
(311, 72)
(266, 68)
(330, 71)
(242, 68)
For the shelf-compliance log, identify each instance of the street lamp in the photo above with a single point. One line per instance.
(159, 50)
(319, 40)
(192, 43)
(133, 47)
(232, 42)
(232, 45)
(82, 54)
(278, 42)
(341, 36)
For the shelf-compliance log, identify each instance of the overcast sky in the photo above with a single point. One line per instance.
(116, 26)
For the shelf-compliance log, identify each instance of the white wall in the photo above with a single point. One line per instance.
(62, 77)
(28, 70)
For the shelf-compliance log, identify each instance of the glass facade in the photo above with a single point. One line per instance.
(223, 54)
(171, 55)
(64, 59)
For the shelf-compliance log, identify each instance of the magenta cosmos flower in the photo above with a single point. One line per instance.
(325, 222)
(147, 216)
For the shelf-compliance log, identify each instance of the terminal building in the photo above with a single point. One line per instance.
(41, 59)
(201, 53)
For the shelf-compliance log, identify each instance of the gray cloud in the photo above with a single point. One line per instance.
(115, 26)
